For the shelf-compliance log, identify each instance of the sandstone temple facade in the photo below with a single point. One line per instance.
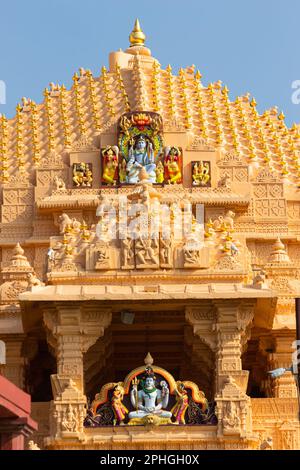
(136, 340)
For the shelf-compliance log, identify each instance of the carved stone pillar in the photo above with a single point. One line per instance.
(14, 368)
(284, 386)
(225, 326)
(233, 328)
(71, 330)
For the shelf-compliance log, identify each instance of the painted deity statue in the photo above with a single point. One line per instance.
(181, 405)
(172, 164)
(149, 400)
(110, 165)
(82, 174)
(119, 409)
(141, 155)
(201, 173)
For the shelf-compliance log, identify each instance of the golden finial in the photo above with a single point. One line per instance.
(198, 75)
(253, 103)
(137, 37)
(225, 90)
(281, 116)
(294, 127)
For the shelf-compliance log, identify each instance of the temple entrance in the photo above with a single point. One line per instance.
(162, 331)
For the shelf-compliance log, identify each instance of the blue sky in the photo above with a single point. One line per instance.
(251, 45)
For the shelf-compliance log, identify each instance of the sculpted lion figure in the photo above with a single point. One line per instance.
(64, 220)
(226, 221)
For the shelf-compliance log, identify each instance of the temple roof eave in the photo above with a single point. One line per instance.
(79, 293)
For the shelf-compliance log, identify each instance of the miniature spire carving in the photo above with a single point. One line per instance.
(78, 105)
(3, 149)
(49, 113)
(34, 129)
(200, 107)
(170, 87)
(141, 102)
(279, 253)
(156, 86)
(64, 116)
(106, 91)
(18, 258)
(20, 138)
(122, 88)
(93, 97)
(183, 86)
(216, 123)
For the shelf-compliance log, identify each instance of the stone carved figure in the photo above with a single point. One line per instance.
(266, 444)
(165, 253)
(224, 223)
(140, 155)
(65, 222)
(146, 252)
(225, 182)
(149, 400)
(259, 280)
(33, 280)
(231, 420)
(127, 250)
(102, 254)
(59, 183)
(69, 421)
(191, 255)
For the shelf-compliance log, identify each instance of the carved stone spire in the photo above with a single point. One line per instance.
(278, 253)
(18, 267)
(18, 258)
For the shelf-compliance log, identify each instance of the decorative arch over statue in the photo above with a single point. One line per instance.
(149, 395)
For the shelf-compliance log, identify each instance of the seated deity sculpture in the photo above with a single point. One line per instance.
(82, 174)
(141, 155)
(110, 165)
(149, 400)
(201, 173)
(143, 399)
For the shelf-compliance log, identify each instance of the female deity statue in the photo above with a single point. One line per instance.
(172, 164)
(140, 155)
(119, 409)
(110, 165)
(149, 400)
(181, 405)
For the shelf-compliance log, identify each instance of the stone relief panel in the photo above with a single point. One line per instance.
(16, 214)
(18, 196)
